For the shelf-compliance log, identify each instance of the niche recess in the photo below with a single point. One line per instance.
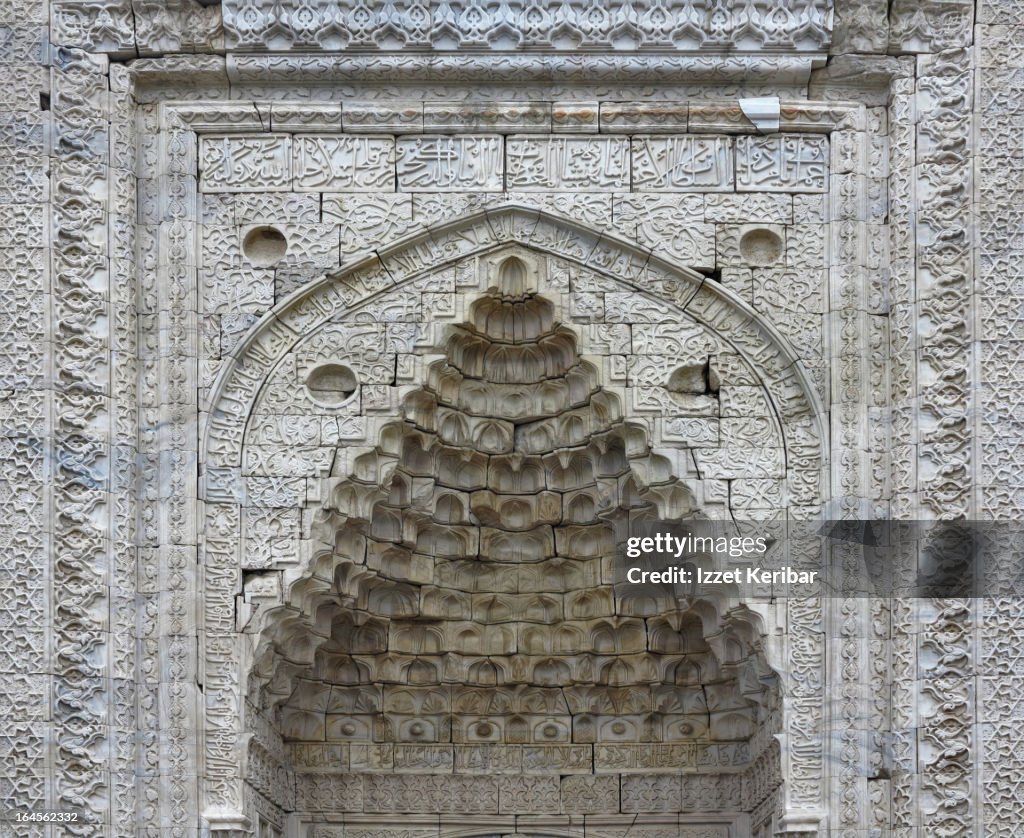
(471, 601)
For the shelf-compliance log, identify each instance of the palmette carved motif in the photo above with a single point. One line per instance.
(471, 24)
(80, 686)
(944, 297)
(131, 27)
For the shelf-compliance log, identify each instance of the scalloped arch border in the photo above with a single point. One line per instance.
(797, 405)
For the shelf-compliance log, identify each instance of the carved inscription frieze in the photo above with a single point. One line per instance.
(344, 164)
(782, 164)
(445, 163)
(255, 163)
(568, 164)
(689, 163)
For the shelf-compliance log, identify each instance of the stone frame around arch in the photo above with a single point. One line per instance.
(791, 395)
(159, 146)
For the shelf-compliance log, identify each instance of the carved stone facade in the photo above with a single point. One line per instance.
(345, 338)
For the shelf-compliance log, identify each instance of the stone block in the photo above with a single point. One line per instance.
(562, 163)
(308, 116)
(575, 117)
(447, 164)
(590, 794)
(529, 795)
(498, 117)
(683, 164)
(376, 117)
(669, 118)
(245, 163)
(331, 163)
(785, 163)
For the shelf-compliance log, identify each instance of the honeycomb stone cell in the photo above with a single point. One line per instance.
(472, 588)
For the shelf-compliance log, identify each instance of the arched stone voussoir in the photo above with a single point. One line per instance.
(781, 370)
(444, 243)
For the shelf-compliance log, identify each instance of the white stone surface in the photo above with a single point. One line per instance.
(337, 334)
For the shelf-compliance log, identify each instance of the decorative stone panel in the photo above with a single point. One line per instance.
(683, 164)
(185, 393)
(343, 164)
(570, 164)
(782, 164)
(418, 24)
(444, 163)
(245, 164)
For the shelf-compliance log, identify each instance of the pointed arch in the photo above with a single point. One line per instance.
(672, 289)
(524, 235)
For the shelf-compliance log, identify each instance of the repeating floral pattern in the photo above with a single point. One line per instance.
(509, 24)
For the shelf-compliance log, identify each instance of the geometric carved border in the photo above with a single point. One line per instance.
(220, 704)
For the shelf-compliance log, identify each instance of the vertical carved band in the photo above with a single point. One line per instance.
(945, 304)
(902, 816)
(1000, 356)
(123, 217)
(178, 471)
(81, 433)
(25, 408)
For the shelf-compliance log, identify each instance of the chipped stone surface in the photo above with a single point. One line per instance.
(340, 338)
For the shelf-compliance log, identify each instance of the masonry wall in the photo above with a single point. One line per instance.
(97, 642)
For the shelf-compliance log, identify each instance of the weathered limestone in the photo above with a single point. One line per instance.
(341, 336)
